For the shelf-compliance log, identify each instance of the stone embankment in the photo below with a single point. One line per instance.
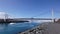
(47, 28)
(40, 29)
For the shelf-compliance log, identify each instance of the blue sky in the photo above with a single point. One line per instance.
(30, 8)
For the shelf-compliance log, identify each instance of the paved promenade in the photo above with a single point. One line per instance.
(53, 28)
(50, 28)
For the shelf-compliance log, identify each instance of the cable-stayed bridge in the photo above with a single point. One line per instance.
(7, 18)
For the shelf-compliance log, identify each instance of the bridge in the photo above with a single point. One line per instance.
(7, 19)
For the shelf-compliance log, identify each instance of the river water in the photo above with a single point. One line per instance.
(14, 28)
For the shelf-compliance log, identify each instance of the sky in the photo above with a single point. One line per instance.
(30, 8)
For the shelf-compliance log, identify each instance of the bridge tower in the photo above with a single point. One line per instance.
(5, 16)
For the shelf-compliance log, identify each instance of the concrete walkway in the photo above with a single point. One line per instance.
(53, 29)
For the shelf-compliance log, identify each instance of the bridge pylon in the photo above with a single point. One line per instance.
(5, 16)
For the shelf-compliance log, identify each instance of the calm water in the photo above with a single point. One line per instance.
(15, 28)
